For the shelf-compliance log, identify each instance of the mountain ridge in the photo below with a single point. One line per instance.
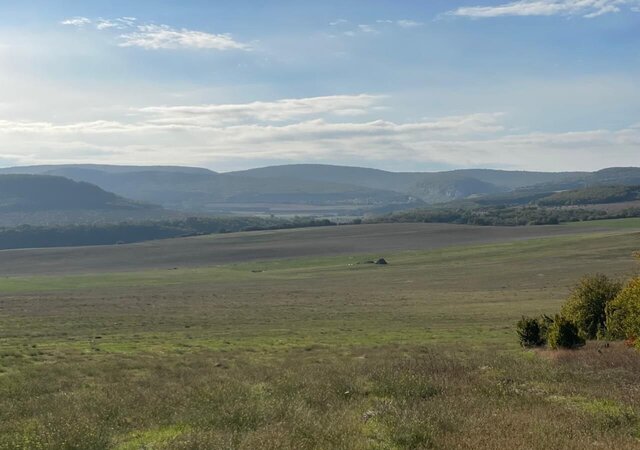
(330, 189)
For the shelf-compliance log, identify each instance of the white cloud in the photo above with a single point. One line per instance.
(129, 21)
(76, 21)
(364, 28)
(404, 23)
(280, 110)
(367, 28)
(155, 37)
(105, 24)
(311, 129)
(584, 8)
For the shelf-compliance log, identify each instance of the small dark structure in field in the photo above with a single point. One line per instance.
(380, 261)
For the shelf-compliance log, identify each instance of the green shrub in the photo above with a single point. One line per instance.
(623, 313)
(545, 323)
(532, 332)
(586, 307)
(563, 333)
(528, 331)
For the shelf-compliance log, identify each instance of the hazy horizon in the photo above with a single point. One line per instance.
(368, 167)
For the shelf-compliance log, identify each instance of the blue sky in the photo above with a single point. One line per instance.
(412, 85)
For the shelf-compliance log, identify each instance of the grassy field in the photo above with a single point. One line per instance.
(317, 353)
(231, 248)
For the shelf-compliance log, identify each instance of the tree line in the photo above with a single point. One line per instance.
(27, 236)
(503, 215)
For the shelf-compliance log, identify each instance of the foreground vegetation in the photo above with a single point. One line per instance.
(598, 308)
(317, 353)
(404, 397)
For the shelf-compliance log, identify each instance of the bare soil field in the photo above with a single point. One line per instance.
(264, 245)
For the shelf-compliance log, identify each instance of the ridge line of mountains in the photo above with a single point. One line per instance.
(150, 192)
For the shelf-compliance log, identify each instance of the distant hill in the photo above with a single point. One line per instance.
(592, 196)
(70, 169)
(443, 187)
(45, 192)
(628, 176)
(201, 190)
(430, 187)
(406, 181)
(614, 176)
(54, 200)
(306, 189)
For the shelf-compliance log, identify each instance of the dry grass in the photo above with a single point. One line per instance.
(316, 354)
(387, 397)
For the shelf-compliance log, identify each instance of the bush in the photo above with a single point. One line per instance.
(563, 333)
(586, 307)
(545, 323)
(532, 332)
(528, 331)
(623, 313)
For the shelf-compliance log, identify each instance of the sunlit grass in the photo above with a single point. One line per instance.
(316, 353)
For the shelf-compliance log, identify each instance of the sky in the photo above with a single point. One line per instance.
(412, 85)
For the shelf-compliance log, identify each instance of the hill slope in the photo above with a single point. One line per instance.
(46, 193)
(592, 195)
(52, 200)
(325, 189)
(431, 187)
(191, 189)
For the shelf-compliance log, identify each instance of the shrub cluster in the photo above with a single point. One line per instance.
(586, 307)
(598, 308)
(623, 313)
(563, 333)
(532, 332)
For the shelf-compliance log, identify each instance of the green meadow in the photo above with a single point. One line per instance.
(318, 353)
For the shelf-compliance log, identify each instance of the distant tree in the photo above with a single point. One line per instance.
(586, 307)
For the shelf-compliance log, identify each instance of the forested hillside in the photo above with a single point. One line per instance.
(328, 190)
(592, 195)
(45, 193)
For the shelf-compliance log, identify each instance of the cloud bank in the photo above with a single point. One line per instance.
(321, 129)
